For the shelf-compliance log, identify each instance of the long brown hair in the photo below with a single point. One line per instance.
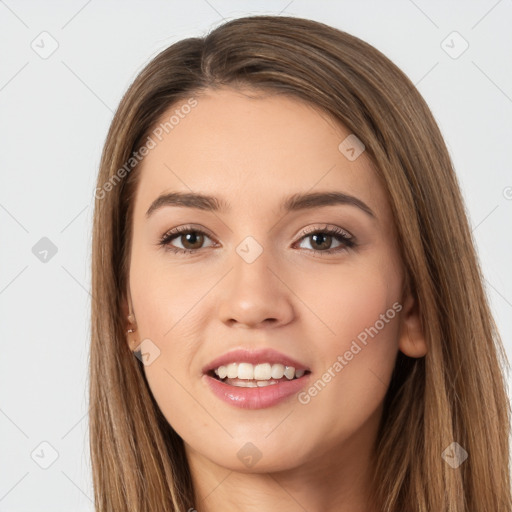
(456, 393)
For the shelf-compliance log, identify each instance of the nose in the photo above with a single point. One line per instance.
(255, 293)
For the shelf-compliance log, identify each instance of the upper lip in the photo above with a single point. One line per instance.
(266, 355)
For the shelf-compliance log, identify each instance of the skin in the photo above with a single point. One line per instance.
(254, 151)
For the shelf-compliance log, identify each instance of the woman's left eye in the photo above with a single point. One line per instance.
(325, 236)
(193, 239)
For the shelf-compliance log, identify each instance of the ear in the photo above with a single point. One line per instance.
(126, 310)
(129, 322)
(412, 338)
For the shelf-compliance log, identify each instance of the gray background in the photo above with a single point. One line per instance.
(54, 114)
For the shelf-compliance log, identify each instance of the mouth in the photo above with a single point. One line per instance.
(255, 379)
(256, 393)
(247, 375)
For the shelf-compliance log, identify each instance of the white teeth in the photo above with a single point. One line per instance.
(261, 372)
(289, 372)
(232, 371)
(246, 371)
(242, 384)
(263, 383)
(277, 371)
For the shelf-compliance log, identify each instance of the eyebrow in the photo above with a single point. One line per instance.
(295, 202)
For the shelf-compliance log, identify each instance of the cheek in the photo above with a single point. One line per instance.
(361, 309)
(168, 297)
(350, 303)
(169, 306)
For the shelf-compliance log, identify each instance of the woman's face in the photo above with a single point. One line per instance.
(264, 272)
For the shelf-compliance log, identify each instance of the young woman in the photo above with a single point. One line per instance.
(288, 311)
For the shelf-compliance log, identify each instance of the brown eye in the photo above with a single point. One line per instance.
(321, 241)
(191, 240)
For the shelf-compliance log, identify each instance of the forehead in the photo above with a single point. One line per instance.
(252, 150)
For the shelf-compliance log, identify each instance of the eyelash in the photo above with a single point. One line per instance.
(340, 234)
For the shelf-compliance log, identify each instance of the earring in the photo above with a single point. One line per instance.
(132, 329)
(131, 320)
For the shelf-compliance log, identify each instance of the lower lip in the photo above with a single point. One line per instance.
(256, 398)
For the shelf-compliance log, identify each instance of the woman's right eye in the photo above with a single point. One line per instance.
(187, 237)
